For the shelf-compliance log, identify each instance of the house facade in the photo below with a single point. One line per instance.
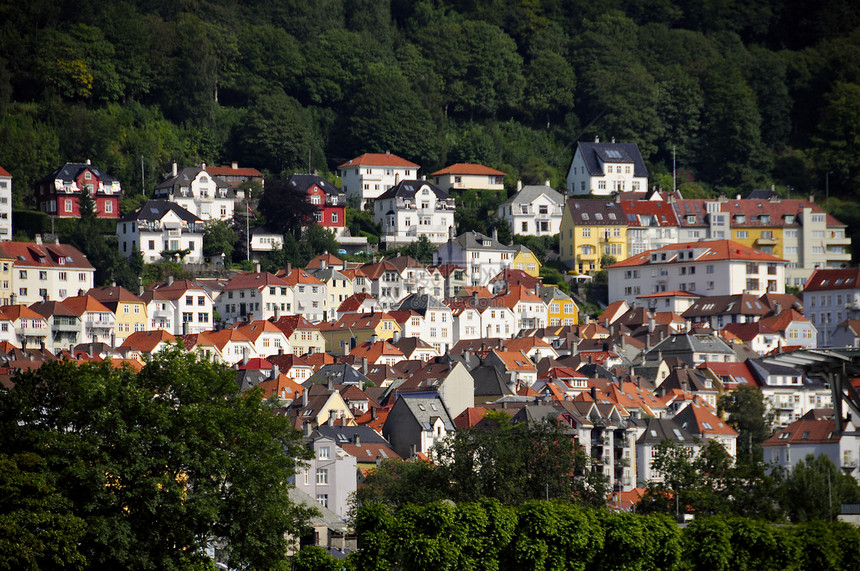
(482, 257)
(414, 208)
(205, 196)
(462, 176)
(162, 227)
(5, 205)
(716, 267)
(328, 200)
(41, 271)
(59, 193)
(534, 211)
(606, 168)
(369, 175)
(591, 229)
(831, 296)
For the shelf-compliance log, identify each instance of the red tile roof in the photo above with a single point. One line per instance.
(468, 168)
(147, 341)
(715, 251)
(830, 279)
(227, 171)
(31, 254)
(255, 281)
(377, 160)
(4, 172)
(289, 323)
(353, 302)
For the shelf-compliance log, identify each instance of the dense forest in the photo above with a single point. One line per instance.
(740, 94)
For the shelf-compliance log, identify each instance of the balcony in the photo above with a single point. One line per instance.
(766, 241)
(849, 463)
(622, 462)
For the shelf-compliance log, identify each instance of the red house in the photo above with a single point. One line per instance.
(330, 201)
(59, 193)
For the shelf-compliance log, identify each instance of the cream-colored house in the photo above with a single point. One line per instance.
(461, 176)
(606, 168)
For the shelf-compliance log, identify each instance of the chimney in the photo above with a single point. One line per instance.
(289, 268)
(651, 324)
(185, 328)
(519, 184)
(594, 393)
(395, 337)
(777, 308)
(495, 235)
(331, 418)
(356, 439)
(304, 397)
(374, 338)
(277, 311)
(364, 366)
(170, 280)
(547, 183)
(597, 138)
(89, 162)
(234, 165)
(175, 170)
(257, 267)
(276, 372)
(329, 383)
(39, 239)
(323, 264)
(203, 166)
(573, 347)
(307, 428)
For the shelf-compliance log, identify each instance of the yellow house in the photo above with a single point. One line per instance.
(353, 329)
(338, 288)
(591, 229)
(129, 309)
(525, 260)
(304, 337)
(561, 309)
(6, 263)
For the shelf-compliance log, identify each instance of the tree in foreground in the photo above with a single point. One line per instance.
(158, 466)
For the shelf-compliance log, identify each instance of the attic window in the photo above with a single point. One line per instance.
(421, 407)
(653, 433)
(805, 435)
(784, 435)
(611, 216)
(585, 215)
(707, 425)
(678, 434)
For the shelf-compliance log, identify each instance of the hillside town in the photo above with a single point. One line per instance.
(376, 356)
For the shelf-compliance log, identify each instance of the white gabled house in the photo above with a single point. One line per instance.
(160, 226)
(414, 208)
(606, 168)
(482, 257)
(534, 211)
(203, 195)
(369, 175)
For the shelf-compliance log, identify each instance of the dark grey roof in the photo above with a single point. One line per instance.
(659, 429)
(489, 381)
(420, 303)
(477, 241)
(530, 192)
(157, 209)
(184, 177)
(338, 373)
(409, 188)
(595, 154)
(692, 343)
(596, 212)
(302, 182)
(70, 171)
(740, 304)
(761, 194)
(426, 410)
(346, 434)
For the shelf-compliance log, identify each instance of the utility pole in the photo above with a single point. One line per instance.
(674, 172)
(142, 177)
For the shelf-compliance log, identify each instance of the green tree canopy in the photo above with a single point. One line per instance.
(158, 465)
